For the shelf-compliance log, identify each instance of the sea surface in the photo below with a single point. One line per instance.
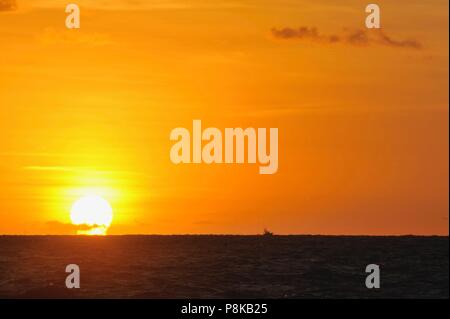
(223, 266)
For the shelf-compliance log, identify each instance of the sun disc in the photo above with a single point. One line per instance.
(91, 210)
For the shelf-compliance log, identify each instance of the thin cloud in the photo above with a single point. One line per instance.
(8, 5)
(359, 37)
(51, 168)
(52, 36)
(68, 228)
(303, 33)
(386, 40)
(78, 170)
(145, 4)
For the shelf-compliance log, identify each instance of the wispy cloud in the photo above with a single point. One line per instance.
(144, 4)
(68, 228)
(48, 155)
(386, 40)
(51, 168)
(52, 36)
(303, 33)
(358, 37)
(8, 5)
(75, 169)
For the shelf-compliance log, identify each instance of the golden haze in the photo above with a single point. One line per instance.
(363, 128)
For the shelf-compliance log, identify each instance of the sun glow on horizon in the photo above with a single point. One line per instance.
(94, 212)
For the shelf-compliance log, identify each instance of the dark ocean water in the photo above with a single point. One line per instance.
(223, 266)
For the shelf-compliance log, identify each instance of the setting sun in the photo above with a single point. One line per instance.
(361, 115)
(94, 212)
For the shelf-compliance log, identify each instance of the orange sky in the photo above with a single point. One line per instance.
(363, 125)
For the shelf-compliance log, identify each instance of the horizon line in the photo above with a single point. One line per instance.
(224, 234)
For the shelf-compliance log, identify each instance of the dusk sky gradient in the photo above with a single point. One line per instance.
(363, 121)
